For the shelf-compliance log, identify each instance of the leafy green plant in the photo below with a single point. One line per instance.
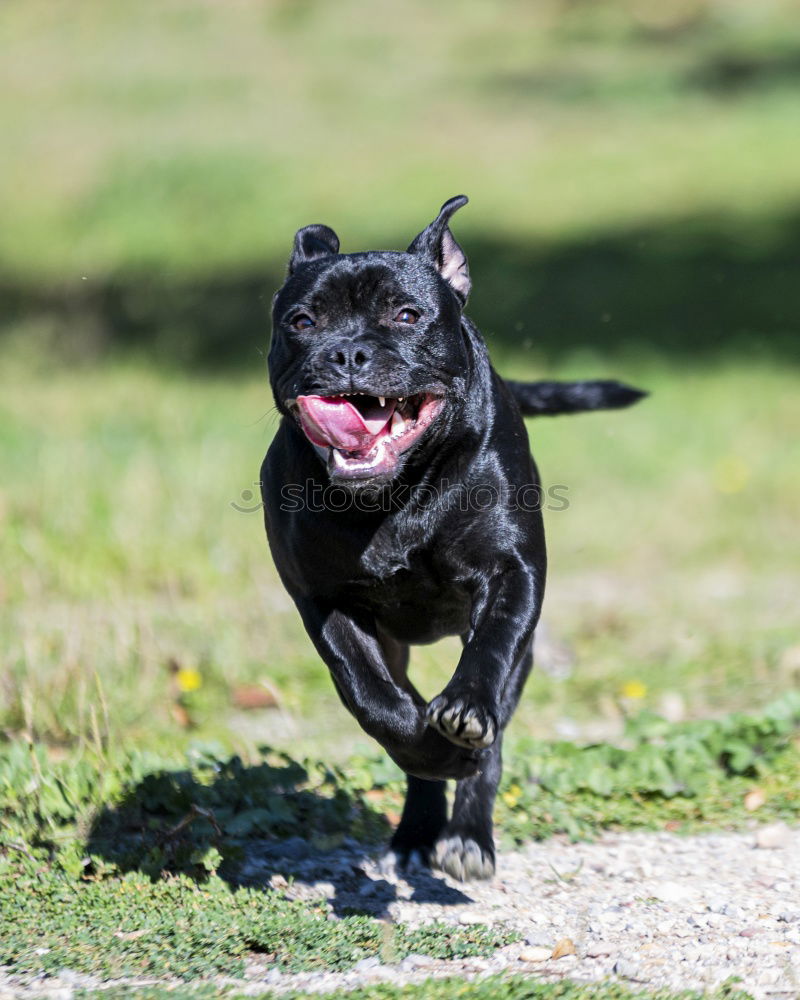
(132, 926)
(143, 812)
(686, 774)
(124, 865)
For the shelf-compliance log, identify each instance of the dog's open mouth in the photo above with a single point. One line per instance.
(361, 436)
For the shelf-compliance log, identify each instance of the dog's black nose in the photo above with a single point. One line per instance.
(348, 357)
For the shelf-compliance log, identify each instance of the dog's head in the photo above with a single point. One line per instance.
(368, 354)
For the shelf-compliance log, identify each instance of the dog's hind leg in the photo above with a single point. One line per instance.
(423, 820)
(465, 847)
(395, 654)
(425, 809)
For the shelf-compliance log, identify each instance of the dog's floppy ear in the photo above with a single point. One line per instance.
(438, 244)
(311, 243)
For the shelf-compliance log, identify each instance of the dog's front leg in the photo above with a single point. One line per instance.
(347, 641)
(483, 692)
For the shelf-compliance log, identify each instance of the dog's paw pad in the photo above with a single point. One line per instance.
(462, 722)
(463, 858)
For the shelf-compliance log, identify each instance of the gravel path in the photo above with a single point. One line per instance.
(654, 909)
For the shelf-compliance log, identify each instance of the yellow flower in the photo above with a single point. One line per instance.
(634, 689)
(731, 474)
(188, 679)
(511, 797)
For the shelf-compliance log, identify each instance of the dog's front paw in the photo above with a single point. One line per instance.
(462, 721)
(463, 858)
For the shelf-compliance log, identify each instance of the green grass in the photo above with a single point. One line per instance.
(133, 927)
(682, 777)
(456, 988)
(519, 988)
(124, 559)
(130, 866)
(99, 814)
(147, 125)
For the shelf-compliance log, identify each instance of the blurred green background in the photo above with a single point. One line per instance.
(635, 211)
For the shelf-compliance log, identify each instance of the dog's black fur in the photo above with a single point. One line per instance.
(395, 561)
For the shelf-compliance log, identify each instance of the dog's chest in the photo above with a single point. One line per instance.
(416, 597)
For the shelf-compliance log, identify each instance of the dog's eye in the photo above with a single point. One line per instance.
(409, 316)
(302, 321)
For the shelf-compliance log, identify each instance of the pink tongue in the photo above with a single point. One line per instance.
(332, 420)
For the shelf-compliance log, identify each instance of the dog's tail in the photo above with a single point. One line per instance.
(547, 399)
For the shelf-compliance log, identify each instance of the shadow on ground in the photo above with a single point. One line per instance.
(265, 825)
(699, 288)
(726, 73)
(732, 73)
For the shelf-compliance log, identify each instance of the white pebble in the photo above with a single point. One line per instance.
(772, 837)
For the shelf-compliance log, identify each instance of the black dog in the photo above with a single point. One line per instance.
(399, 497)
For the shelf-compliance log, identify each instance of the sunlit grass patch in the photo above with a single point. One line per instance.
(134, 927)
(132, 559)
(152, 137)
(95, 814)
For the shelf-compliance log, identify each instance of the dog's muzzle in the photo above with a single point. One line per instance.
(361, 436)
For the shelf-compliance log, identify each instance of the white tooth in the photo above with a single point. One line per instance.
(400, 399)
(382, 400)
(398, 423)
